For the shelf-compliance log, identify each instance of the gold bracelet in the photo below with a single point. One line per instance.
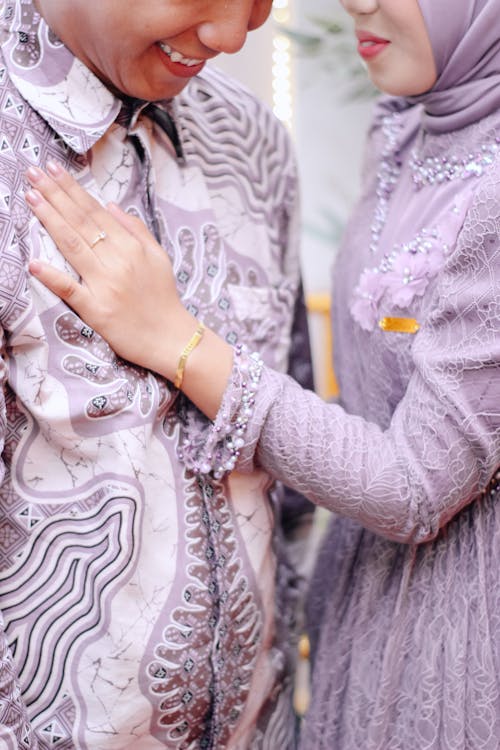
(192, 343)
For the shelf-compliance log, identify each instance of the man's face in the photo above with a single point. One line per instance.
(149, 49)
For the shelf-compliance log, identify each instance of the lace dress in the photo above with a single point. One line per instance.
(404, 607)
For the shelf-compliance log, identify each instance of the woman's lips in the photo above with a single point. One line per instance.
(369, 45)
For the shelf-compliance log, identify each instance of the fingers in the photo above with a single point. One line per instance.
(114, 253)
(56, 191)
(62, 284)
(127, 291)
(69, 241)
(78, 209)
(135, 227)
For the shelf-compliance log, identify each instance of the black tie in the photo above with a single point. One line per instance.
(166, 123)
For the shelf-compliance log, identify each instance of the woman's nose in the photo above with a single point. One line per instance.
(360, 7)
(227, 29)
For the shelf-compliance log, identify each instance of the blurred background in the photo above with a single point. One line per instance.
(303, 64)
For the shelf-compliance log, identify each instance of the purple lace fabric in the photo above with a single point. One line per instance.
(215, 449)
(404, 608)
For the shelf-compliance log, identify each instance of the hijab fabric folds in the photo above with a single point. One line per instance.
(465, 38)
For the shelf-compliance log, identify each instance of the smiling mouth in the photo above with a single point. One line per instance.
(369, 45)
(176, 57)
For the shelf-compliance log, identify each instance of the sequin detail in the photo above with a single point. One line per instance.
(219, 453)
(437, 170)
(402, 275)
(387, 176)
(405, 271)
(494, 486)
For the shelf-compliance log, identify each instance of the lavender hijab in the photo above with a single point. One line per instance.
(465, 39)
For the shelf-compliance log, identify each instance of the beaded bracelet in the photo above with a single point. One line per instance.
(192, 343)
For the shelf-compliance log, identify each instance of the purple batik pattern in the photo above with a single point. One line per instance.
(15, 727)
(143, 602)
(187, 644)
(97, 365)
(52, 594)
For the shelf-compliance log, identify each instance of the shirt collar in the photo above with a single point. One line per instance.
(64, 92)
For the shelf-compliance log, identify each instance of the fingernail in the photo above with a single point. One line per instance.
(33, 197)
(34, 174)
(54, 168)
(34, 267)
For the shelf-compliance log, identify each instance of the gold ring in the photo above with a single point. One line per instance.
(98, 238)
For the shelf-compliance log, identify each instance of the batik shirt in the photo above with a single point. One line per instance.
(144, 605)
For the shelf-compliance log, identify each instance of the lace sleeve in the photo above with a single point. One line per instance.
(214, 447)
(296, 510)
(442, 447)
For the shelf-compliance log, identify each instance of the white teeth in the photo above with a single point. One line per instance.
(176, 57)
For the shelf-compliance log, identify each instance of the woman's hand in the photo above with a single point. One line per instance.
(127, 290)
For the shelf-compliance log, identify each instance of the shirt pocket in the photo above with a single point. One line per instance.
(266, 317)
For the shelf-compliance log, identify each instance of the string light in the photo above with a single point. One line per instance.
(282, 65)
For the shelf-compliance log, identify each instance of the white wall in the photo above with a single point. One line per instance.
(329, 132)
(252, 66)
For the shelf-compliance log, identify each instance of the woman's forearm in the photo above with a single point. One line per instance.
(207, 372)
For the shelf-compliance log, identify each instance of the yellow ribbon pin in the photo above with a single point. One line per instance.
(399, 325)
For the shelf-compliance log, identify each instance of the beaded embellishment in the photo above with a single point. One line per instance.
(387, 176)
(405, 271)
(437, 170)
(494, 485)
(402, 275)
(219, 454)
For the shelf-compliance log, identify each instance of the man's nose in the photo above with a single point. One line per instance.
(227, 29)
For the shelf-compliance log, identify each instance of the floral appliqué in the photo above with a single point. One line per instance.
(403, 274)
